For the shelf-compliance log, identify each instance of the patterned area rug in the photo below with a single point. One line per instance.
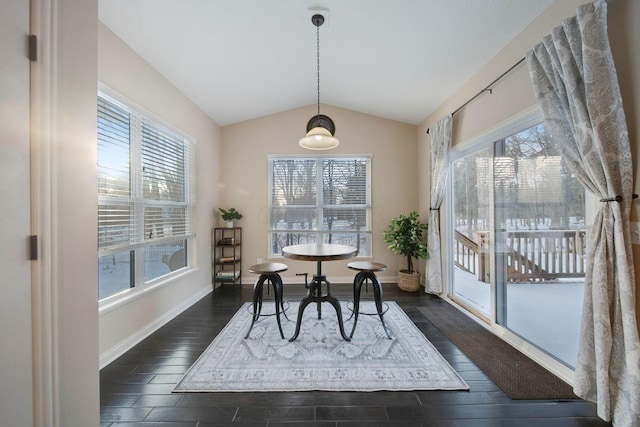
(319, 359)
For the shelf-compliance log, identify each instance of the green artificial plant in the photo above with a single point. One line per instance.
(404, 236)
(230, 215)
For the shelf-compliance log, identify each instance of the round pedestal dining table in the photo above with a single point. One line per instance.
(319, 253)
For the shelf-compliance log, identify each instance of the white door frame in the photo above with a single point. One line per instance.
(44, 309)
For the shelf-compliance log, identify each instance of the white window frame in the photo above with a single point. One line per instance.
(137, 243)
(365, 252)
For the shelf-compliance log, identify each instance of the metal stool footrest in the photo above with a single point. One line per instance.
(385, 308)
(269, 313)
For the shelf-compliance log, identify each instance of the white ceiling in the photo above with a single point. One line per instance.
(241, 59)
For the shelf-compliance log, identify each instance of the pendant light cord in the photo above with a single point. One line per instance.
(318, 63)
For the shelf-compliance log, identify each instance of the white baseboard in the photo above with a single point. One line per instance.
(122, 347)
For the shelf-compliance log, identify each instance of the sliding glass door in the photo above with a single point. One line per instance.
(471, 205)
(518, 244)
(540, 231)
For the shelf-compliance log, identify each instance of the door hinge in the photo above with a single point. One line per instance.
(33, 250)
(33, 47)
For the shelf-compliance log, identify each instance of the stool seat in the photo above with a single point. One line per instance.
(268, 268)
(367, 266)
(268, 272)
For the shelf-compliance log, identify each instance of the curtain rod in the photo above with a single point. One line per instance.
(487, 88)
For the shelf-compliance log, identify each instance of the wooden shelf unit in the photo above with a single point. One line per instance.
(226, 255)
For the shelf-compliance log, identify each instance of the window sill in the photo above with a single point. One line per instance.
(119, 300)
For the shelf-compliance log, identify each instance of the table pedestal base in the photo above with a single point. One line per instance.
(315, 295)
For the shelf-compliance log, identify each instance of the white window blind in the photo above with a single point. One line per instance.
(164, 172)
(320, 199)
(144, 212)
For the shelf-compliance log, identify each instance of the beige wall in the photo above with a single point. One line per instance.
(624, 35)
(244, 181)
(123, 324)
(514, 93)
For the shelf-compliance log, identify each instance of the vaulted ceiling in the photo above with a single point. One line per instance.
(241, 59)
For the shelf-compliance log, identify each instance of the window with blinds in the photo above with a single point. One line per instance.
(144, 213)
(320, 199)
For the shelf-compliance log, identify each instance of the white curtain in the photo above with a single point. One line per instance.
(576, 86)
(439, 161)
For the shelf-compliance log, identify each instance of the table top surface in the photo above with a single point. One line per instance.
(319, 252)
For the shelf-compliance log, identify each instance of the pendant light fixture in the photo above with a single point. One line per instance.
(320, 128)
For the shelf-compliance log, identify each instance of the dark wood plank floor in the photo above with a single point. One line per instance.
(136, 388)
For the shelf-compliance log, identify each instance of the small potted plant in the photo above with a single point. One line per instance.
(230, 215)
(404, 236)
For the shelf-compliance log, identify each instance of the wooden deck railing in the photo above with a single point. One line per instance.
(529, 255)
(467, 254)
(545, 255)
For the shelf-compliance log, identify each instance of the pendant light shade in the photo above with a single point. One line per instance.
(319, 138)
(320, 128)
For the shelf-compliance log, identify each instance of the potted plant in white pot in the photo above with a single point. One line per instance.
(229, 216)
(404, 236)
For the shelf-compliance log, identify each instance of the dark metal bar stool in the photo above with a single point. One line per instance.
(268, 273)
(366, 273)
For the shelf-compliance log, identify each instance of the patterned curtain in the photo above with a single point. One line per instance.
(576, 86)
(439, 161)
